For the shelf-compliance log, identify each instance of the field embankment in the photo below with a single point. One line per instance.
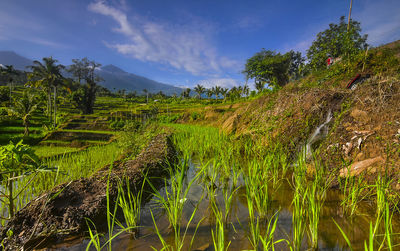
(63, 211)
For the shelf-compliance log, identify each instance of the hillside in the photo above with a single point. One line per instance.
(117, 79)
(12, 58)
(356, 130)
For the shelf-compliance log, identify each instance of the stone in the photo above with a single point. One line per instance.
(360, 166)
(360, 116)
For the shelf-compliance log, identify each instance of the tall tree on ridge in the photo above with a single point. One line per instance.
(85, 93)
(47, 75)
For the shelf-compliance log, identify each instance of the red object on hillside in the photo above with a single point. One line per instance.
(329, 61)
(357, 77)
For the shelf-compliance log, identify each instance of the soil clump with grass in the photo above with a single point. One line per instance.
(63, 211)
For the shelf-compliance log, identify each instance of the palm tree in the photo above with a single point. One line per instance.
(259, 86)
(217, 91)
(186, 93)
(47, 75)
(9, 72)
(146, 93)
(224, 92)
(246, 90)
(24, 107)
(209, 93)
(199, 89)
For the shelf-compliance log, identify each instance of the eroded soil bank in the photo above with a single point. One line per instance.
(62, 211)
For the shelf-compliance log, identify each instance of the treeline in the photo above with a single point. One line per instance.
(46, 81)
(342, 44)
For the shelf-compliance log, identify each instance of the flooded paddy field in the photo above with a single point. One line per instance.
(222, 196)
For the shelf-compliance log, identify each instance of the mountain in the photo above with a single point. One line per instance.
(114, 78)
(117, 79)
(12, 58)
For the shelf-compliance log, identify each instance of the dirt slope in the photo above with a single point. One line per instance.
(365, 124)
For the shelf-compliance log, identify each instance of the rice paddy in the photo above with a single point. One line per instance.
(216, 198)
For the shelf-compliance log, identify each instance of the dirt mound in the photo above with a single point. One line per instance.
(62, 211)
(367, 128)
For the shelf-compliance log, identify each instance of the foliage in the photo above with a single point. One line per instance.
(199, 89)
(186, 93)
(16, 161)
(382, 61)
(47, 75)
(117, 124)
(4, 93)
(84, 94)
(24, 107)
(273, 68)
(336, 42)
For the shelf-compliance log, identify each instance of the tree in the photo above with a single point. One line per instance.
(47, 75)
(9, 72)
(217, 91)
(146, 94)
(336, 41)
(246, 90)
(199, 89)
(224, 92)
(270, 67)
(259, 85)
(209, 93)
(84, 94)
(186, 93)
(24, 108)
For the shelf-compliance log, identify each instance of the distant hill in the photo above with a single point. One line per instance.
(12, 58)
(114, 78)
(117, 79)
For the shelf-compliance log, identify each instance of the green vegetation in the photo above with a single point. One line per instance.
(253, 185)
(16, 161)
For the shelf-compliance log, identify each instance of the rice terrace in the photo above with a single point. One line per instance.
(288, 139)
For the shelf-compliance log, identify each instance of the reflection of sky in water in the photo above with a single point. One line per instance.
(330, 237)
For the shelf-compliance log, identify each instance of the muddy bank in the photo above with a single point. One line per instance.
(62, 211)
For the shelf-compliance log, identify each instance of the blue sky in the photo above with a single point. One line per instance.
(182, 42)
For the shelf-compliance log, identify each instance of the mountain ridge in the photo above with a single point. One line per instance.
(114, 78)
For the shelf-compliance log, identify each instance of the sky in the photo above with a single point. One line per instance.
(181, 42)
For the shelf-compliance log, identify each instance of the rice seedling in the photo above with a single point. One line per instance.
(267, 239)
(314, 210)
(316, 195)
(173, 201)
(228, 193)
(218, 236)
(354, 191)
(130, 205)
(299, 214)
(111, 222)
(257, 189)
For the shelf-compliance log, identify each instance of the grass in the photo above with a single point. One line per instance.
(131, 205)
(70, 166)
(354, 190)
(48, 151)
(173, 201)
(218, 236)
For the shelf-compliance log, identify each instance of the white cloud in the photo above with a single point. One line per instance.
(184, 47)
(222, 82)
